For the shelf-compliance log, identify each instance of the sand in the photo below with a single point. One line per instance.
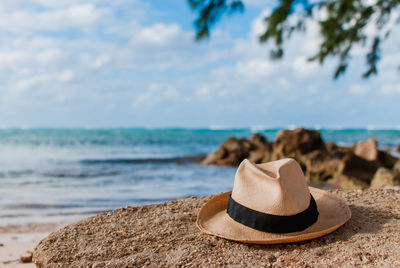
(18, 241)
(165, 235)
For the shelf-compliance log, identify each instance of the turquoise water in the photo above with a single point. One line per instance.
(50, 174)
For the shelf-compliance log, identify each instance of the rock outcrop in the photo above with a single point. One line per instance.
(233, 151)
(367, 149)
(357, 167)
(351, 167)
(387, 160)
(385, 177)
(396, 166)
(165, 235)
(297, 142)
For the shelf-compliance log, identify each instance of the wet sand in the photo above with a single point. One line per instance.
(20, 240)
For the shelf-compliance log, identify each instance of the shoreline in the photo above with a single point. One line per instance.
(19, 240)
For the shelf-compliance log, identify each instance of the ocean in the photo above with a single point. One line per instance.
(52, 175)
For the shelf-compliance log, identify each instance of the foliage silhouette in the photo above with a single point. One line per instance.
(342, 23)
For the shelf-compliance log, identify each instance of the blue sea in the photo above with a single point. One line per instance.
(58, 174)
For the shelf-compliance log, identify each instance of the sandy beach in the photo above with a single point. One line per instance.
(18, 241)
(39, 199)
(120, 120)
(166, 235)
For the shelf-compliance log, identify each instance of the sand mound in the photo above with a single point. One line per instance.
(165, 235)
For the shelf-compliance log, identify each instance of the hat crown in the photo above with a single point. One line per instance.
(277, 187)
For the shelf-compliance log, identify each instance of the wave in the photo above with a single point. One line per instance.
(16, 173)
(70, 213)
(39, 206)
(80, 175)
(178, 160)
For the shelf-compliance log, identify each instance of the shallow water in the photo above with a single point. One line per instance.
(53, 174)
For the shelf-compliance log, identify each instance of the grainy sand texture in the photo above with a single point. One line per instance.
(166, 235)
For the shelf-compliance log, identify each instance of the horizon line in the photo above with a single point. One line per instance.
(252, 128)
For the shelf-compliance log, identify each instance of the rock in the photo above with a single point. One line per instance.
(331, 146)
(347, 182)
(165, 235)
(233, 159)
(397, 149)
(338, 152)
(222, 157)
(351, 172)
(263, 149)
(385, 177)
(344, 167)
(386, 159)
(289, 143)
(233, 144)
(259, 140)
(356, 167)
(320, 167)
(396, 167)
(258, 156)
(367, 149)
(26, 259)
(234, 150)
(230, 153)
(215, 156)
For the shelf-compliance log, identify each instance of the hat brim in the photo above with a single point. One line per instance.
(213, 219)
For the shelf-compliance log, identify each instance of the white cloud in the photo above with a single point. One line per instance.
(82, 14)
(67, 54)
(66, 76)
(255, 68)
(155, 94)
(30, 82)
(203, 91)
(158, 35)
(303, 68)
(390, 89)
(20, 20)
(48, 55)
(284, 83)
(258, 25)
(100, 61)
(358, 89)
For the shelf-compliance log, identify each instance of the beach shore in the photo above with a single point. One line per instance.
(18, 241)
(163, 235)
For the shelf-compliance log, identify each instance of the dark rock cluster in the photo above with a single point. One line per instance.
(360, 166)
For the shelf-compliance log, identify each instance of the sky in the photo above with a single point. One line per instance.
(134, 63)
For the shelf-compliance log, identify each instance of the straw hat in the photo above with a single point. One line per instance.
(271, 203)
